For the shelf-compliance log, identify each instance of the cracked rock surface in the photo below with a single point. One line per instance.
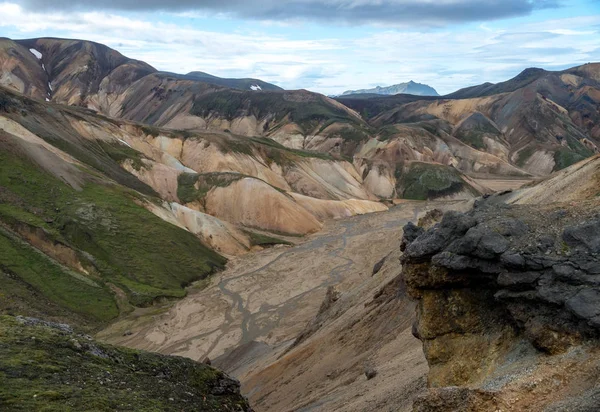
(500, 280)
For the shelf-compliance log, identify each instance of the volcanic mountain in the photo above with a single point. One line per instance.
(417, 89)
(123, 188)
(538, 122)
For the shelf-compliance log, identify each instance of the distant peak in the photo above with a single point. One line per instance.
(410, 87)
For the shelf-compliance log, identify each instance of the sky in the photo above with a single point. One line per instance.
(328, 46)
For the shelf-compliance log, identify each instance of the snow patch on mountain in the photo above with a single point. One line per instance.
(36, 53)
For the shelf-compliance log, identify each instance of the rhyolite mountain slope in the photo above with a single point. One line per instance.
(89, 74)
(47, 366)
(296, 119)
(417, 89)
(119, 214)
(128, 89)
(532, 125)
(538, 122)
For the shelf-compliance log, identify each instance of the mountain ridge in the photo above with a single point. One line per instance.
(410, 87)
(347, 127)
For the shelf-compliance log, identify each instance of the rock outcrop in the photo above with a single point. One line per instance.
(503, 292)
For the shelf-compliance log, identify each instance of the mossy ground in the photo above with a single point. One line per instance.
(574, 152)
(51, 369)
(422, 181)
(25, 267)
(473, 138)
(308, 113)
(524, 155)
(260, 239)
(117, 241)
(194, 186)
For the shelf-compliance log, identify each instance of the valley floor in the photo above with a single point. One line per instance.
(262, 301)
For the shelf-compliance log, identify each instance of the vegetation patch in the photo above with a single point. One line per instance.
(25, 265)
(121, 241)
(194, 186)
(307, 113)
(524, 155)
(259, 239)
(473, 138)
(565, 158)
(387, 132)
(424, 181)
(474, 129)
(268, 149)
(150, 130)
(576, 152)
(47, 367)
(352, 134)
(121, 152)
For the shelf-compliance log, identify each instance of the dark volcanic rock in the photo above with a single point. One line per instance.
(452, 226)
(377, 267)
(370, 373)
(498, 274)
(585, 236)
(411, 232)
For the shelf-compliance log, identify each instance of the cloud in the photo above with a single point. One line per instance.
(445, 59)
(389, 12)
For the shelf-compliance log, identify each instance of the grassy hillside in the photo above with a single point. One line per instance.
(422, 181)
(306, 109)
(99, 238)
(242, 84)
(46, 367)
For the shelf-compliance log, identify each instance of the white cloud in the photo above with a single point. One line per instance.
(445, 59)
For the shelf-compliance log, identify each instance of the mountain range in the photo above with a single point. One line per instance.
(123, 188)
(417, 89)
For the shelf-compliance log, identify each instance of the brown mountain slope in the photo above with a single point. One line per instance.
(71, 71)
(575, 183)
(88, 74)
(203, 171)
(540, 122)
(545, 124)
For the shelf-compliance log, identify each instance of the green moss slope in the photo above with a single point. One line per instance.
(46, 367)
(116, 240)
(422, 181)
(306, 110)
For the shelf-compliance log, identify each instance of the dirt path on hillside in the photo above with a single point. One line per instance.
(269, 296)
